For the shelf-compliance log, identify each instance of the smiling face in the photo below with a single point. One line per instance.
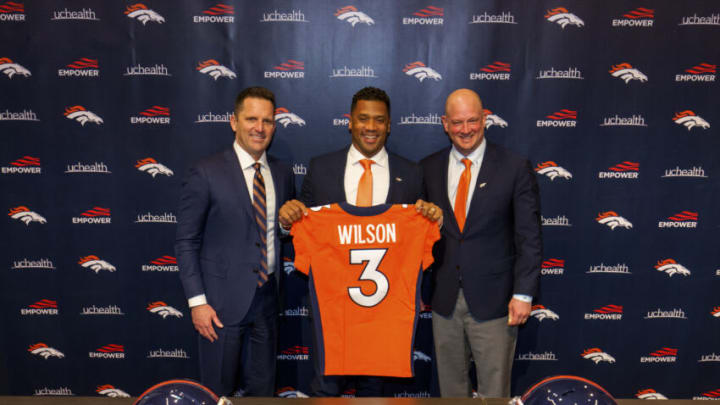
(464, 120)
(254, 123)
(369, 126)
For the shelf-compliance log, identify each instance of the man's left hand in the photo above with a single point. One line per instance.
(429, 211)
(518, 312)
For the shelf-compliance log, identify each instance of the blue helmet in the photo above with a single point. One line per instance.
(179, 392)
(567, 390)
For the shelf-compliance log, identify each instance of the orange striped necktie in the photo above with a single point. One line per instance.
(364, 193)
(261, 220)
(462, 194)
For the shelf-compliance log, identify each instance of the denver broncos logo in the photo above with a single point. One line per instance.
(671, 267)
(562, 16)
(494, 120)
(690, 120)
(143, 14)
(45, 351)
(649, 394)
(613, 220)
(163, 309)
(285, 117)
(81, 115)
(95, 264)
(110, 391)
(421, 72)
(626, 72)
(716, 312)
(215, 70)
(24, 214)
(540, 313)
(290, 392)
(152, 167)
(288, 265)
(11, 69)
(418, 355)
(353, 16)
(552, 170)
(597, 355)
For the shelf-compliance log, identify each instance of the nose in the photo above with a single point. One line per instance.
(259, 125)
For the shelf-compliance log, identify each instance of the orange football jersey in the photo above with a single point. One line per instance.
(365, 266)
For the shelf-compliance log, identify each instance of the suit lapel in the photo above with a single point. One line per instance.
(395, 181)
(238, 179)
(487, 172)
(449, 220)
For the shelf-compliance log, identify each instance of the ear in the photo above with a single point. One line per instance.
(233, 122)
(445, 123)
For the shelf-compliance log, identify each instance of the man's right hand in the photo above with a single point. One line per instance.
(291, 212)
(203, 317)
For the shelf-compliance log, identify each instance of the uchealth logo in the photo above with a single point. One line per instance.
(295, 353)
(214, 69)
(362, 71)
(683, 219)
(711, 357)
(219, 13)
(60, 391)
(353, 16)
(39, 264)
(703, 72)
(96, 264)
(572, 73)
(649, 393)
(428, 119)
(162, 264)
(504, 17)
(421, 72)
(663, 355)
(284, 17)
(620, 268)
(153, 167)
(640, 17)
(163, 309)
(552, 266)
(83, 67)
(106, 310)
(110, 391)
(211, 117)
(540, 312)
(493, 120)
(143, 14)
(95, 215)
(494, 71)
(25, 115)
(624, 170)
(140, 70)
(42, 307)
(552, 170)
(564, 119)
(597, 356)
(111, 351)
(613, 220)
(80, 167)
(82, 115)
(624, 71)
(290, 392)
(167, 354)
(24, 165)
(164, 218)
(24, 215)
(610, 312)
(690, 120)
(285, 118)
(153, 115)
(560, 220)
(531, 356)
(695, 171)
(86, 14)
(45, 351)
(292, 69)
(12, 11)
(712, 19)
(671, 268)
(429, 15)
(636, 120)
(10, 68)
(562, 17)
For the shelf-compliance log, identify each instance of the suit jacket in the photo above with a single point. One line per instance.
(217, 241)
(325, 180)
(499, 252)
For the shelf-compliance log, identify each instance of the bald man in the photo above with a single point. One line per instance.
(487, 265)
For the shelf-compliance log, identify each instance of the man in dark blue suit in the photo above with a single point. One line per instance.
(487, 264)
(338, 176)
(228, 251)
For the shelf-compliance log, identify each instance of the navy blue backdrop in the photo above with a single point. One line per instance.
(103, 106)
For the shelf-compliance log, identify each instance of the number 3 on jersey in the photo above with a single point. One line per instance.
(372, 258)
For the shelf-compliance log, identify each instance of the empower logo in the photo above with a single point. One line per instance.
(649, 393)
(703, 72)
(276, 16)
(690, 120)
(429, 15)
(214, 69)
(80, 114)
(552, 170)
(45, 351)
(153, 167)
(153, 115)
(683, 219)
(624, 170)
(564, 119)
(42, 307)
(640, 17)
(162, 264)
(285, 118)
(421, 72)
(111, 351)
(219, 13)
(290, 392)
(709, 395)
(143, 14)
(163, 309)
(626, 72)
(671, 268)
(83, 67)
(10, 68)
(562, 17)
(569, 73)
(613, 220)
(353, 16)
(24, 165)
(24, 215)
(12, 11)
(342, 122)
(540, 312)
(493, 120)
(494, 71)
(110, 391)
(95, 215)
(295, 353)
(596, 355)
(610, 312)
(96, 264)
(292, 69)
(553, 267)
(663, 355)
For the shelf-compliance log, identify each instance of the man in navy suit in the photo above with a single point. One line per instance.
(487, 264)
(228, 251)
(336, 177)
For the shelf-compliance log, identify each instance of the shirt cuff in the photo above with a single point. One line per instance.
(523, 298)
(197, 300)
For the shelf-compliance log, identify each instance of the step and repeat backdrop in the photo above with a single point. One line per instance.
(104, 105)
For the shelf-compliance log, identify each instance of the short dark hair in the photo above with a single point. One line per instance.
(254, 92)
(371, 94)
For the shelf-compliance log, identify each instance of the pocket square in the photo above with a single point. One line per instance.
(481, 185)
(398, 178)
